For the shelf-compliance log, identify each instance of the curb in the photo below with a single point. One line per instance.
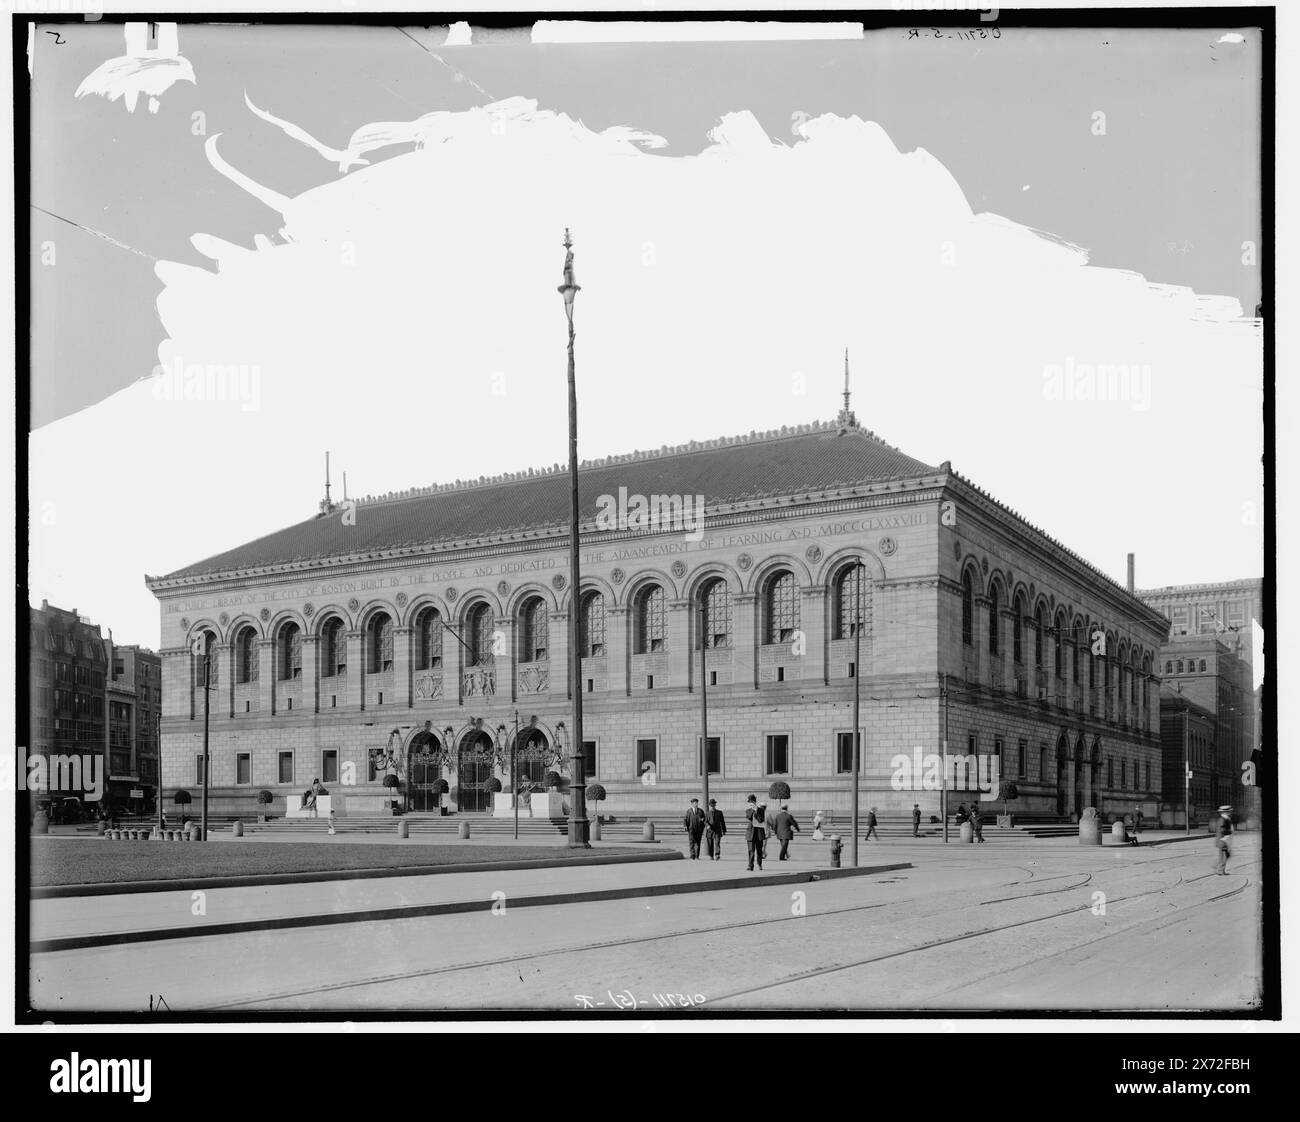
(458, 907)
(255, 880)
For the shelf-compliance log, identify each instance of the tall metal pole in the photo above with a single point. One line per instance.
(578, 825)
(704, 705)
(943, 798)
(857, 705)
(207, 670)
(514, 774)
(1187, 781)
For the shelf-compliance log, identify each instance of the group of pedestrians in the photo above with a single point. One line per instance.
(975, 819)
(710, 826)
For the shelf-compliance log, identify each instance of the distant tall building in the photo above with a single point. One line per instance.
(1224, 609)
(98, 703)
(68, 699)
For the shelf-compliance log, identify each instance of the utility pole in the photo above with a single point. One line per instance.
(943, 779)
(704, 703)
(858, 574)
(207, 670)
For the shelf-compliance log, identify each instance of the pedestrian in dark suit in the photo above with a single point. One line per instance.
(786, 828)
(715, 825)
(694, 824)
(871, 825)
(916, 820)
(755, 831)
(977, 822)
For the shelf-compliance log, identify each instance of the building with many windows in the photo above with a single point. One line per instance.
(134, 689)
(412, 634)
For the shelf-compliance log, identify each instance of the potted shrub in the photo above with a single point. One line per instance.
(390, 782)
(439, 788)
(779, 792)
(1007, 792)
(263, 800)
(595, 792)
(552, 780)
(493, 786)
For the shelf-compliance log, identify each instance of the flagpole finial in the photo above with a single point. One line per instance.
(570, 287)
(847, 419)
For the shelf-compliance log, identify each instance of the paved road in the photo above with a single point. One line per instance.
(1042, 926)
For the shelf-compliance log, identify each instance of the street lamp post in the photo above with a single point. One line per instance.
(704, 704)
(578, 825)
(858, 574)
(207, 690)
(943, 794)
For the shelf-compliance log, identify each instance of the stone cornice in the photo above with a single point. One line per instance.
(787, 507)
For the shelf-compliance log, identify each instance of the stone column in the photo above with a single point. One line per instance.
(267, 674)
(1007, 649)
(310, 673)
(401, 667)
(505, 658)
(618, 648)
(812, 622)
(744, 625)
(976, 656)
(354, 681)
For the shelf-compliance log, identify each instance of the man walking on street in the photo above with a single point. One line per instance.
(694, 824)
(916, 820)
(715, 825)
(755, 831)
(977, 821)
(1223, 831)
(786, 828)
(871, 825)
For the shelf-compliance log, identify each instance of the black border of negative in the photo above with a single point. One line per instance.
(1262, 17)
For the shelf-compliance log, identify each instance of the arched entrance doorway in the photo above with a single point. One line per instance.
(473, 770)
(424, 763)
(1095, 784)
(532, 759)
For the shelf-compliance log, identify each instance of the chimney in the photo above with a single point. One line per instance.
(1130, 573)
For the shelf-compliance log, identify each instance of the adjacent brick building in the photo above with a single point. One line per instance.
(425, 621)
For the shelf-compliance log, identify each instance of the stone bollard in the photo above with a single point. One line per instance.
(1089, 831)
(595, 829)
(238, 828)
(404, 829)
(41, 823)
(967, 832)
(195, 832)
(1119, 833)
(464, 830)
(648, 832)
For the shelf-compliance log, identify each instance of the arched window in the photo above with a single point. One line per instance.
(967, 609)
(430, 639)
(290, 651)
(334, 656)
(591, 623)
(1180, 666)
(381, 643)
(1202, 666)
(209, 647)
(246, 656)
(716, 600)
(852, 582)
(781, 608)
(1169, 666)
(481, 635)
(1076, 637)
(1120, 671)
(1059, 654)
(1017, 633)
(1042, 763)
(1038, 636)
(651, 631)
(533, 638)
(993, 620)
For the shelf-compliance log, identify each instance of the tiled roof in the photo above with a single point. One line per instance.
(787, 461)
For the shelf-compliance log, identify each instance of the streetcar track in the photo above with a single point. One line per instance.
(609, 944)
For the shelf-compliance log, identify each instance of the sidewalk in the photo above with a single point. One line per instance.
(69, 923)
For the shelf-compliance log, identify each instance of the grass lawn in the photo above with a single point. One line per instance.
(66, 861)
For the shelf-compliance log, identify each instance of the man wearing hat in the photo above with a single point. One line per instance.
(755, 831)
(715, 825)
(1223, 831)
(694, 823)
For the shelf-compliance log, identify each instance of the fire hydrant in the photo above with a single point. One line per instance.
(836, 846)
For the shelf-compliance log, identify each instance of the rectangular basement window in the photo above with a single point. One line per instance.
(649, 681)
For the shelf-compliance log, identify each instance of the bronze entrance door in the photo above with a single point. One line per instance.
(473, 770)
(424, 772)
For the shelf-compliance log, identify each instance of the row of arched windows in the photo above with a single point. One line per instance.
(780, 621)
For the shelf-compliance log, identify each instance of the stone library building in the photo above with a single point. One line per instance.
(390, 646)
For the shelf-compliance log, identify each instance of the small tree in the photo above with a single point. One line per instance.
(263, 800)
(1007, 792)
(552, 779)
(595, 792)
(493, 785)
(182, 798)
(779, 791)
